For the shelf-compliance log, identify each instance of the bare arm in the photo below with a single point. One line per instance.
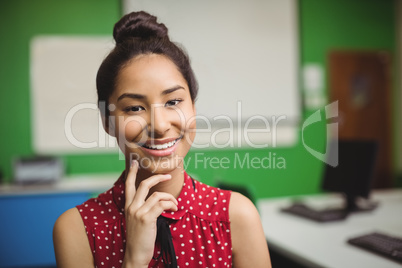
(248, 240)
(70, 241)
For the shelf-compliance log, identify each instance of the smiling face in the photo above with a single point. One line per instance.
(153, 115)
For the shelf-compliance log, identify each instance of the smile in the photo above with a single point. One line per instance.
(161, 146)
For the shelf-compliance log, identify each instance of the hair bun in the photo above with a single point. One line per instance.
(138, 24)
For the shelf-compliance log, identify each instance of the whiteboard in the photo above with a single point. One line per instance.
(64, 116)
(241, 51)
(244, 55)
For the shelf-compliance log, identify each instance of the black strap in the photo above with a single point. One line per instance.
(192, 180)
(164, 237)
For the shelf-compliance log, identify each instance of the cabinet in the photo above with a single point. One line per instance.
(28, 213)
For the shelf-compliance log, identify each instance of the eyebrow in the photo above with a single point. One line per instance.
(131, 96)
(141, 97)
(170, 90)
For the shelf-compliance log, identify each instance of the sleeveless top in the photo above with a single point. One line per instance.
(200, 228)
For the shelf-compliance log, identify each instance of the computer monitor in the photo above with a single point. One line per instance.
(354, 172)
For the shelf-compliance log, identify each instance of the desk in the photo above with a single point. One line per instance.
(29, 212)
(324, 244)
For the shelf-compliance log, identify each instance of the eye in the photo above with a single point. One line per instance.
(173, 102)
(134, 109)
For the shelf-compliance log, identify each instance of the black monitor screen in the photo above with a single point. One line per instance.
(354, 172)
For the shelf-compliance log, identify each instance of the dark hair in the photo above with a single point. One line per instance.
(138, 33)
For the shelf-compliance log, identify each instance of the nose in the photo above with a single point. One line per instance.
(159, 123)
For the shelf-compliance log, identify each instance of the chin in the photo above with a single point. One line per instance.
(162, 165)
(156, 164)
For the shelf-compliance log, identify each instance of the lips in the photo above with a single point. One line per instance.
(161, 148)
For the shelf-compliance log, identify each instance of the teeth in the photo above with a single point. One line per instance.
(160, 146)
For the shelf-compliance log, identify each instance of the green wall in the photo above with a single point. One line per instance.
(324, 25)
(21, 20)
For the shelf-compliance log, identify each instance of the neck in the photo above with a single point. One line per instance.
(172, 186)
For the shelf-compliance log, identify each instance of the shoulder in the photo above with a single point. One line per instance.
(70, 240)
(207, 202)
(211, 192)
(241, 209)
(248, 240)
(101, 210)
(71, 219)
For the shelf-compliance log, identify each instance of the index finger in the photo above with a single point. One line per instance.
(130, 183)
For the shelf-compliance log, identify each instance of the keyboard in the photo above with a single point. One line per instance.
(382, 244)
(327, 215)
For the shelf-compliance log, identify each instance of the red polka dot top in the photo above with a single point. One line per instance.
(200, 228)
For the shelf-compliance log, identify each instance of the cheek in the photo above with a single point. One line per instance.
(184, 117)
(189, 126)
(130, 129)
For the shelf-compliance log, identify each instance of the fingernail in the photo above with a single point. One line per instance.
(134, 163)
(168, 176)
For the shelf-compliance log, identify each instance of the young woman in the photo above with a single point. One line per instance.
(156, 215)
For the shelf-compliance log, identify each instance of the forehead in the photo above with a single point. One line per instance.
(149, 73)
